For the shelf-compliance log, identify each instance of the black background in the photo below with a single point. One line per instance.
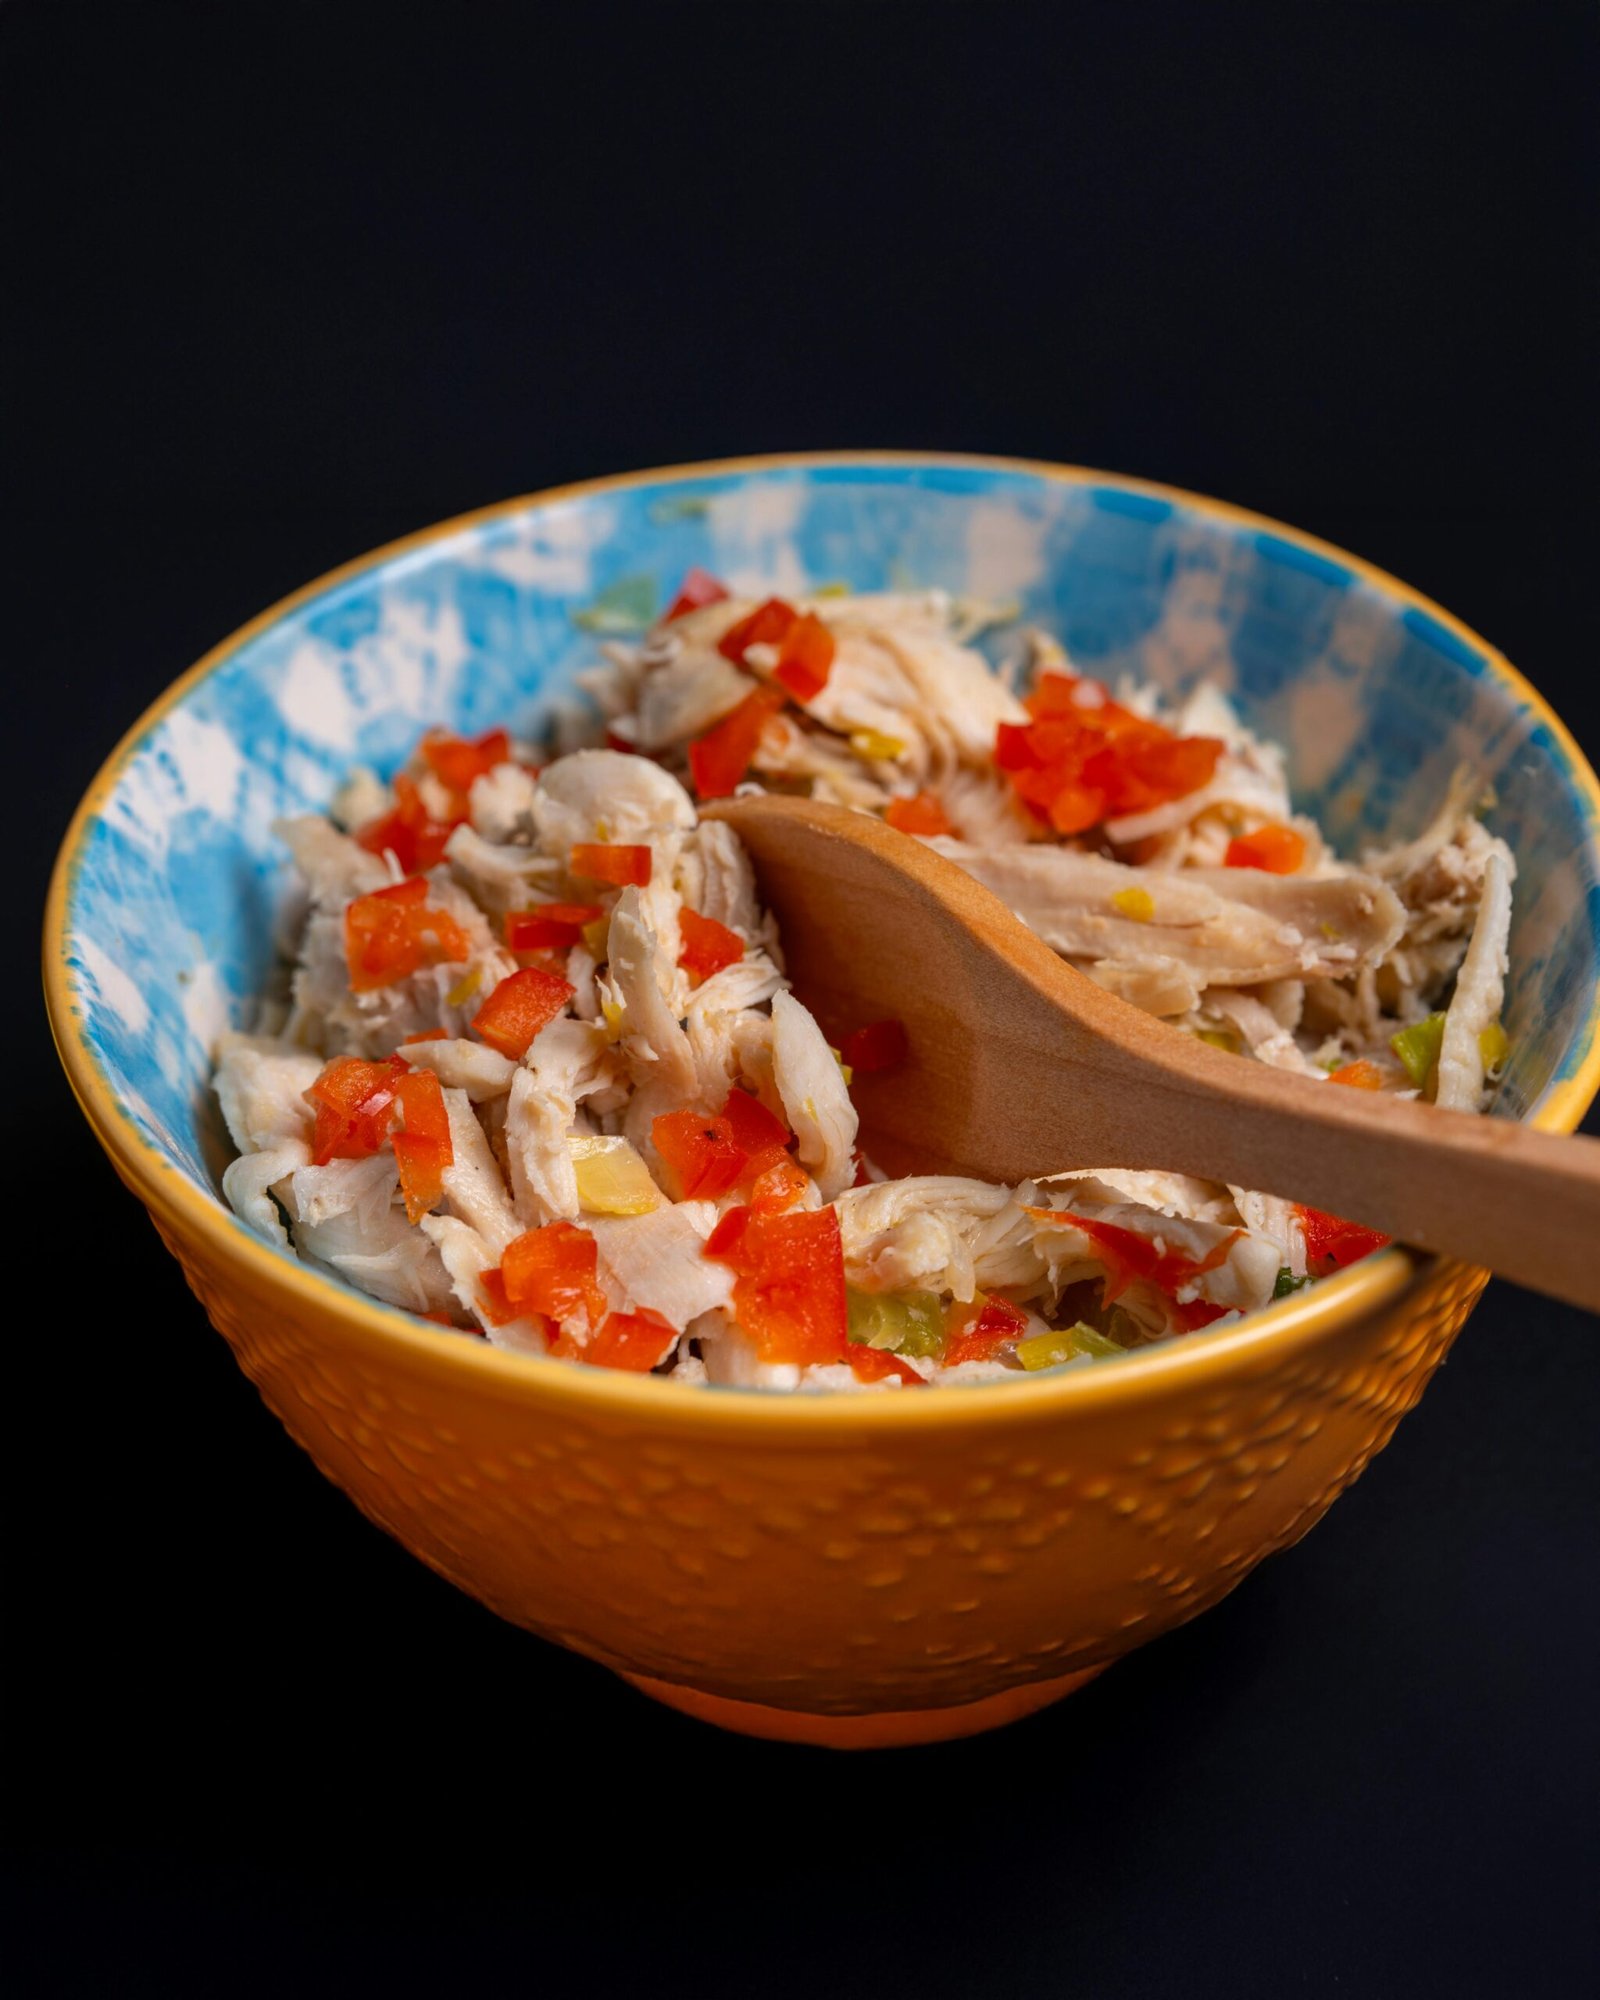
(281, 283)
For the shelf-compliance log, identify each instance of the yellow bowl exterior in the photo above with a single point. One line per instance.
(840, 1569)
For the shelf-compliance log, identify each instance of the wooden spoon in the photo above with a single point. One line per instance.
(1021, 1065)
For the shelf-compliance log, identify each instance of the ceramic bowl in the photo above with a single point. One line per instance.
(848, 1570)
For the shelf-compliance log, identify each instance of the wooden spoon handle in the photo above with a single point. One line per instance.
(1019, 1065)
(1135, 1092)
(1071, 1075)
(1487, 1190)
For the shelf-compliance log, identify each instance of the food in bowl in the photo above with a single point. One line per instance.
(535, 1071)
(836, 1568)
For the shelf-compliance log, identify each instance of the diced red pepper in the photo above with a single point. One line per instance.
(1360, 1075)
(708, 946)
(553, 1271)
(1074, 808)
(361, 1105)
(637, 1342)
(875, 1364)
(805, 646)
(762, 1137)
(702, 1154)
(600, 861)
(1332, 1243)
(1071, 697)
(410, 833)
(422, 1110)
(427, 1035)
(422, 1144)
(743, 1145)
(354, 1104)
(719, 759)
(1279, 850)
(395, 932)
(993, 1324)
(1084, 757)
(1148, 772)
(1013, 747)
(777, 1187)
(1063, 694)
(919, 814)
(767, 625)
(699, 587)
(805, 657)
(878, 1046)
(788, 1292)
(522, 1004)
(1127, 1256)
(1192, 1314)
(457, 760)
(498, 1309)
(724, 1241)
(550, 927)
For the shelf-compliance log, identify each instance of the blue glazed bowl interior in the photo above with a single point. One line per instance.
(176, 882)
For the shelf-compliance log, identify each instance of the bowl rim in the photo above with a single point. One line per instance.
(1187, 1366)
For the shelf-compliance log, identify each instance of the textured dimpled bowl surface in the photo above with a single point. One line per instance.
(857, 1569)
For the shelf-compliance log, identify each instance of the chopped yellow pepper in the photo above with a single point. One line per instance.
(465, 987)
(1049, 1350)
(612, 1178)
(875, 745)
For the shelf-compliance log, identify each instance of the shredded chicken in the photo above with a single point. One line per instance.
(261, 1085)
(660, 1170)
(1480, 988)
(815, 1099)
(1229, 927)
(468, 1066)
(657, 1261)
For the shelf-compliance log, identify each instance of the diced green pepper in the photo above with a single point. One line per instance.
(1287, 1283)
(1418, 1047)
(628, 605)
(1068, 1343)
(903, 1322)
(678, 507)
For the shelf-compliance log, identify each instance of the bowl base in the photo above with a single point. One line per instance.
(887, 1729)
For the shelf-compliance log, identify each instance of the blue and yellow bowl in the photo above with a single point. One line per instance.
(838, 1569)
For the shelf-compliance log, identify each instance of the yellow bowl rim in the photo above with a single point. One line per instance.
(1191, 1364)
